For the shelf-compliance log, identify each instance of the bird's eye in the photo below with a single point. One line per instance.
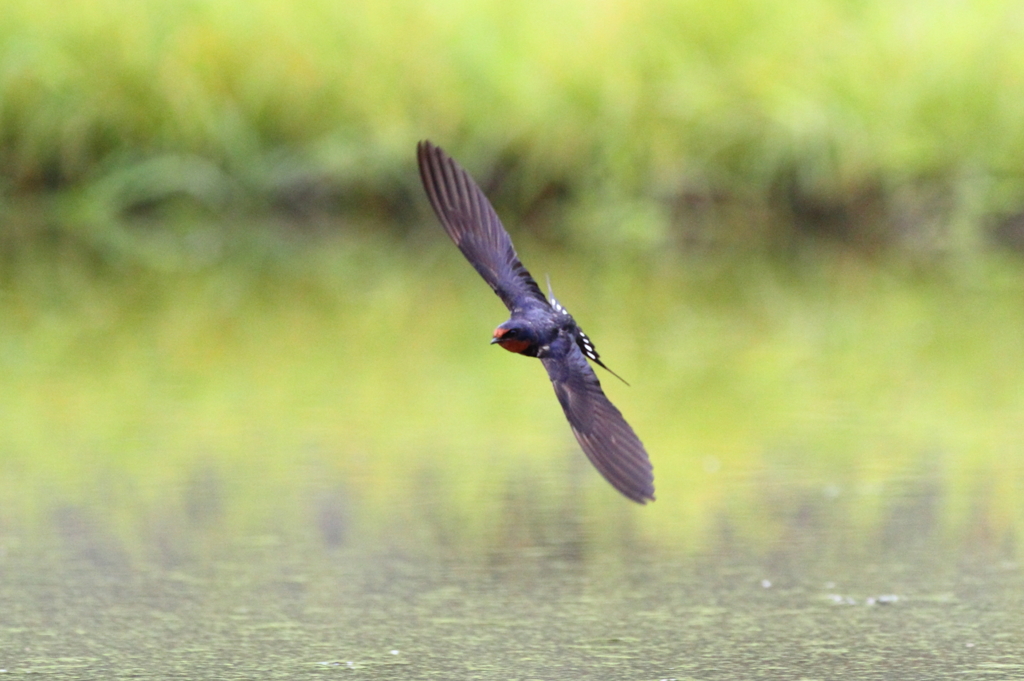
(511, 333)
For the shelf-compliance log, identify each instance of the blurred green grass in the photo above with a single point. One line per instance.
(657, 123)
(210, 258)
(358, 366)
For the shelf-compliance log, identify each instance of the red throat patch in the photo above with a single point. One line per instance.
(510, 344)
(514, 345)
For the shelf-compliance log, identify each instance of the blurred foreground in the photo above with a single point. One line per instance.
(250, 424)
(300, 461)
(355, 377)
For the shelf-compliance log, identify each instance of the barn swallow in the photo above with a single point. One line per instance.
(539, 326)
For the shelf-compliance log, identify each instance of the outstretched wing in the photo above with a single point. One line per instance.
(606, 438)
(472, 224)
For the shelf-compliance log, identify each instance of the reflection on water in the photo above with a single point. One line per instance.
(288, 483)
(549, 589)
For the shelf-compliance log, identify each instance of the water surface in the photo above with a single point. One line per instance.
(219, 475)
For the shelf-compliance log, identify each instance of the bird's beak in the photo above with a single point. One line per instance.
(496, 339)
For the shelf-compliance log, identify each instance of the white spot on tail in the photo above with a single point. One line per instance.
(551, 298)
(588, 348)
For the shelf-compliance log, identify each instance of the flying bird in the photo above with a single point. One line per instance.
(539, 326)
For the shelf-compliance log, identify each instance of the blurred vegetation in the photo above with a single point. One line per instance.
(211, 266)
(195, 407)
(667, 122)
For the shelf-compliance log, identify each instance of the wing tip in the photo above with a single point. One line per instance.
(427, 154)
(641, 494)
(632, 476)
(645, 497)
(636, 483)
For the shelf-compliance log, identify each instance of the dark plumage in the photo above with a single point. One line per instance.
(538, 327)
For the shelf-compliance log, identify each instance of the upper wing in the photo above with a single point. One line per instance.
(606, 438)
(473, 225)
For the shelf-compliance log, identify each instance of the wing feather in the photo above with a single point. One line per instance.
(470, 221)
(607, 440)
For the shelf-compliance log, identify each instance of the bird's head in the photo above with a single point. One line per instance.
(514, 336)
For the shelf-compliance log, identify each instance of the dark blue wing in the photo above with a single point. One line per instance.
(606, 438)
(473, 225)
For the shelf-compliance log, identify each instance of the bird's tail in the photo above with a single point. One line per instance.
(582, 339)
